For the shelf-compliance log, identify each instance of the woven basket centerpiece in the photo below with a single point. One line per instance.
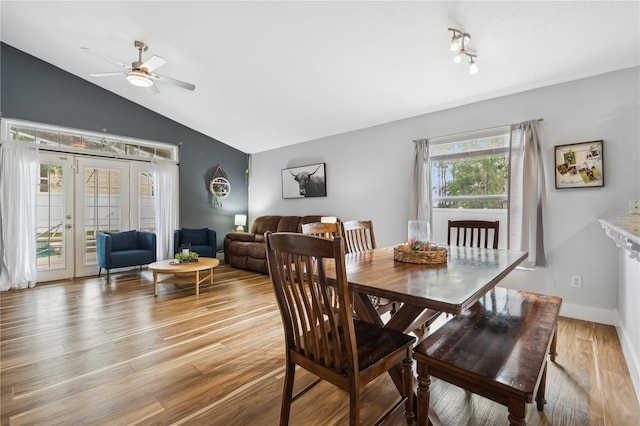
(420, 252)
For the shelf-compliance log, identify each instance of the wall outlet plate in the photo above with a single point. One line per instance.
(576, 281)
(634, 207)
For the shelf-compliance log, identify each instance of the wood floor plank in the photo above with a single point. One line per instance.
(88, 351)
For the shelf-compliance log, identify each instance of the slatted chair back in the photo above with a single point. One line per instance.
(473, 233)
(322, 229)
(323, 341)
(358, 236)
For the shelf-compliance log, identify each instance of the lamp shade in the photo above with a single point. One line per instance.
(240, 219)
(328, 219)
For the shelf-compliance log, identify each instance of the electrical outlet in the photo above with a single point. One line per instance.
(576, 281)
(634, 207)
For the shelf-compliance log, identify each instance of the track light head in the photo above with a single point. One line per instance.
(473, 67)
(455, 42)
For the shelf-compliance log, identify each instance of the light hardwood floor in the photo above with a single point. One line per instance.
(91, 352)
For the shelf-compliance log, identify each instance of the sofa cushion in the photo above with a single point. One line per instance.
(133, 257)
(126, 240)
(288, 224)
(196, 237)
(203, 251)
(255, 250)
(263, 224)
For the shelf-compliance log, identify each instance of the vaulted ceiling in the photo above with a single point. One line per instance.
(270, 74)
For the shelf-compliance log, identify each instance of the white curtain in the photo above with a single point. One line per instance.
(18, 180)
(420, 195)
(526, 193)
(165, 184)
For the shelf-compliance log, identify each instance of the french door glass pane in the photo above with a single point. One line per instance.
(50, 250)
(102, 194)
(147, 202)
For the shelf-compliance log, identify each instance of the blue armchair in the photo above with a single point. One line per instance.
(203, 241)
(128, 248)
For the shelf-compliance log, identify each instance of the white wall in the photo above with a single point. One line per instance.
(369, 170)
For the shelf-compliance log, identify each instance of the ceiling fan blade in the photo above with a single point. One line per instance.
(173, 81)
(108, 58)
(153, 63)
(107, 74)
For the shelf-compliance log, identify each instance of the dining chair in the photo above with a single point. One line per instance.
(322, 229)
(325, 230)
(331, 344)
(473, 233)
(359, 237)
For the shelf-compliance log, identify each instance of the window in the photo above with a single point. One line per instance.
(470, 172)
(469, 179)
(83, 141)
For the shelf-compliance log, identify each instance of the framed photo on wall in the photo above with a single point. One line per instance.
(579, 165)
(304, 181)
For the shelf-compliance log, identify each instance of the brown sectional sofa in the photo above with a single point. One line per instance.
(247, 250)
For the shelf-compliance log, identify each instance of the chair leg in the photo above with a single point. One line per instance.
(287, 393)
(99, 271)
(354, 407)
(407, 386)
(107, 275)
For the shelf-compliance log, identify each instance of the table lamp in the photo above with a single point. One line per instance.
(240, 221)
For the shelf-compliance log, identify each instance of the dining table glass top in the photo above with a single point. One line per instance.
(452, 287)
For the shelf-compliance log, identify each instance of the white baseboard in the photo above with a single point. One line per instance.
(587, 313)
(632, 359)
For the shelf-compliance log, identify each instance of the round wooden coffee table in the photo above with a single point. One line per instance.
(170, 266)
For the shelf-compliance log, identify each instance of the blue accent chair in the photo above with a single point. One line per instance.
(127, 248)
(203, 241)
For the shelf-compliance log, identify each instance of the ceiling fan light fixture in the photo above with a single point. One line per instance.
(139, 78)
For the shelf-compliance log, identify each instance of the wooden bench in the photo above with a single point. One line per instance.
(496, 349)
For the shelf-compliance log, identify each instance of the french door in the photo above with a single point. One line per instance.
(79, 197)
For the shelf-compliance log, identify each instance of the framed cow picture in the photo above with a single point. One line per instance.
(304, 181)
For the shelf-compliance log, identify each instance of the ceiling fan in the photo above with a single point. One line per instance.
(140, 73)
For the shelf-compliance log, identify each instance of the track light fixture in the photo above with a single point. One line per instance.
(459, 42)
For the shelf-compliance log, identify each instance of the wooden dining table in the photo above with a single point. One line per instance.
(424, 291)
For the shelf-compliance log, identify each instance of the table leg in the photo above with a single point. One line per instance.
(197, 282)
(211, 277)
(155, 283)
(552, 352)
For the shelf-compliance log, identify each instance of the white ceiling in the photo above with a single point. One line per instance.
(270, 74)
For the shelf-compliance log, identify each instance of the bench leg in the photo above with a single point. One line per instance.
(540, 401)
(423, 395)
(517, 413)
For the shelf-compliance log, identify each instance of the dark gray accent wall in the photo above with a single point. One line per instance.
(34, 90)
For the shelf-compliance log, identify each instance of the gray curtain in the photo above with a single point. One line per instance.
(526, 193)
(420, 195)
